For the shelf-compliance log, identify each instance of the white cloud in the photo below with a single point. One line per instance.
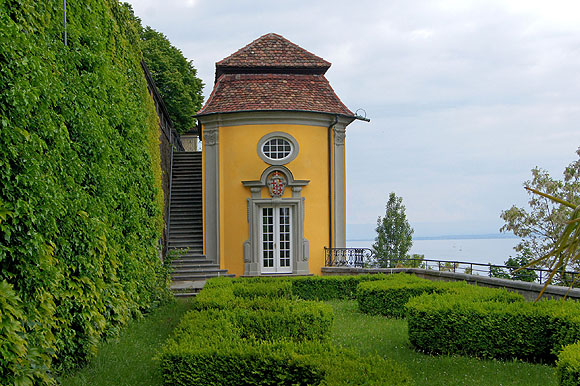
(465, 96)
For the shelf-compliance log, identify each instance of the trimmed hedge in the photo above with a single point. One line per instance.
(330, 287)
(273, 289)
(265, 309)
(492, 325)
(568, 365)
(388, 297)
(252, 331)
(211, 347)
(80, 197)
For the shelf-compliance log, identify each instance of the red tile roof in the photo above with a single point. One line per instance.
(272, 73)
(272, 50)
(267, 92)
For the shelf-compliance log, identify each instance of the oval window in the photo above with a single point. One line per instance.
(277, 148)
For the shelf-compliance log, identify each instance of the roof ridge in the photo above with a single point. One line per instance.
(269, 55)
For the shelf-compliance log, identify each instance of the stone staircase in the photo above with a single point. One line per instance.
(186, 225)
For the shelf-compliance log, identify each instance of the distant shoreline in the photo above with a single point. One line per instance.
(455, 237)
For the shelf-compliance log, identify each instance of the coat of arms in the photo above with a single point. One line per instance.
(276, 184)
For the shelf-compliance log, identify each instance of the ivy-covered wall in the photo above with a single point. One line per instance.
(80, 197)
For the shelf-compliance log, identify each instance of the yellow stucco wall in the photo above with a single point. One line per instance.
(239, 161)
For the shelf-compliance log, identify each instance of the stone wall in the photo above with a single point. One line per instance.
(529, 290)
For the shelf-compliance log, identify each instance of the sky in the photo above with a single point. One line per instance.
(465, 97)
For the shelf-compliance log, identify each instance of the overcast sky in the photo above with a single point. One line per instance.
(464, 97)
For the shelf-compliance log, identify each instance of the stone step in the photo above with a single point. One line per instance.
(181, 207)
(201, 275)
(186, 188)
(185, 203)
(190, 255)
(191, 219)
(186, 227)
(191, 241)
(183, 271)
(187, 176)
(186, 161)
(180, 223)
(179, 187)
(191, 260)
(201, 267)
(186, 220)
(185, 210)
(181, 230)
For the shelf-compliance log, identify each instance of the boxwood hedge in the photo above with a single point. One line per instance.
(264, 340)
(388, 297)
(568, 365)
(330, 287)
(492, 325)
(208, 349)
(80, 198)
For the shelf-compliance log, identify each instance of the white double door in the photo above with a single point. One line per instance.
(276, 239)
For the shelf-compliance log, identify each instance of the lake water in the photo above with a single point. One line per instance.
(484, 251)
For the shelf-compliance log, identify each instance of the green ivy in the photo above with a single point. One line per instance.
(80, 212)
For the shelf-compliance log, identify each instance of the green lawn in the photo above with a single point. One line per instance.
(128, 360)
(388, 337)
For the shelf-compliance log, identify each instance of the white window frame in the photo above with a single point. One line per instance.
(276, 239)
(278, 135)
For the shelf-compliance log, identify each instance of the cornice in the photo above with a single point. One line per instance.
(291, 117)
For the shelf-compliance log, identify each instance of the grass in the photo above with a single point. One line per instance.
(388, 338)
(129, 359)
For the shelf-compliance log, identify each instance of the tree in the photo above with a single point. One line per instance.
(551, 231)
(175, 78)
(541, 225)
(514, 266)
(174, 75)
(394, 234)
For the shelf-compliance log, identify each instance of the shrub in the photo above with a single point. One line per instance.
(252, 331)
(209, 347)
(284, 319)
(276, 289)
(263, 308)
(330, 287)
(495, 324)
(568, 365)
(388, 297)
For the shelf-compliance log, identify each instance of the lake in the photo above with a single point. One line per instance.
(484, 251)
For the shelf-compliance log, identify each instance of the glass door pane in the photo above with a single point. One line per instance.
(284, 241)
(276, 239)
(268, 248)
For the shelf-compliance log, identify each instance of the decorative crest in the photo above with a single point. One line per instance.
(276, 184)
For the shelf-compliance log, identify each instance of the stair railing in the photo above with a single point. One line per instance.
(169, 204)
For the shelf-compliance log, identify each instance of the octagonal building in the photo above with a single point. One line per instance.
(273, 160)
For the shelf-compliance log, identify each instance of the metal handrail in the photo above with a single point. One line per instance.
(169, 203)
(366, 258)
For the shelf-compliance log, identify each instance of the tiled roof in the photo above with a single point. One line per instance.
(252, 92)
(275, 51)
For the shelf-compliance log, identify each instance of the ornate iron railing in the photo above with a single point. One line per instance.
(365, 258)
(347, 257)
